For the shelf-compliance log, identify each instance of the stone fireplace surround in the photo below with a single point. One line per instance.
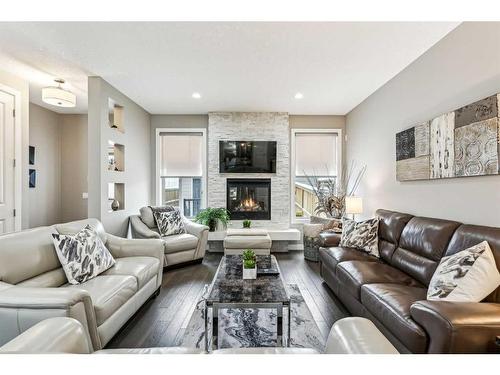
(252, 126)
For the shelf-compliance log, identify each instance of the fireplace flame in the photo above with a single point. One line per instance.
(248, 204)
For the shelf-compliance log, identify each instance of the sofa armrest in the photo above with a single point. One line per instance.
(201, 232)
(141, 230)
(329, 239)
(125, 247)
(54, 335)
(458, 327)
(21, 308)
(194, 228)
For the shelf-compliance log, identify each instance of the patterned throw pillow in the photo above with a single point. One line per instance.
(467, 276)
(362, 235)
(169, 222)
(83, 256)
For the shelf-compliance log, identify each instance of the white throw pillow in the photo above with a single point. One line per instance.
(169, 222)
(362, 235)
(83, 256)
(467, 276)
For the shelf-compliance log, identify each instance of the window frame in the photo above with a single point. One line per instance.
(294, 132)
(158, 182)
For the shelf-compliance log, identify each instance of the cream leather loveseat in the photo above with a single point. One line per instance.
(33, 286)
(65, 335)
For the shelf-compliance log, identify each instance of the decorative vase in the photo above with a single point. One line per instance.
(115, 205)
(249, 273)
(212, 225)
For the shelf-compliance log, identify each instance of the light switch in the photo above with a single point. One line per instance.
(85, 195)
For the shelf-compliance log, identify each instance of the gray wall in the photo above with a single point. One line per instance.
(73, 167)
(45, 198)
(136, 139)
(460, 69)
(60, 141)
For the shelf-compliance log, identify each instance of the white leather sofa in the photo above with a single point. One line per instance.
(178, 248)
(66, 335)
(33, 286)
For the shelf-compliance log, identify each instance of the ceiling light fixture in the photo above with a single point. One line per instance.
(196, 95)
(58, 96)
(299, 95)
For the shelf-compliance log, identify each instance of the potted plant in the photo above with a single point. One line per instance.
(249, 265)
(247, 223)
(213, 216)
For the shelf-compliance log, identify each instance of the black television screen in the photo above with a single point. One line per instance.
(247, 157)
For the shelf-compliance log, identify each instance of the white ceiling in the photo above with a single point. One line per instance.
(235, 66)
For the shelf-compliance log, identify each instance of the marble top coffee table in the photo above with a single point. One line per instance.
(229, 290)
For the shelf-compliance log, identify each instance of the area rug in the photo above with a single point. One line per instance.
(256, 327)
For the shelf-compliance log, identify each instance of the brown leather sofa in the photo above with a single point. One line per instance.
(391, 291)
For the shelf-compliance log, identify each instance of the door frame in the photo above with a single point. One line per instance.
(18, 155)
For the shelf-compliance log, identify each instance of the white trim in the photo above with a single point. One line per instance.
(18, 154)
(204, 185)
(294, 131)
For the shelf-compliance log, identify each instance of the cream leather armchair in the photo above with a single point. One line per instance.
(179, 248)
(66, 335)
(33, 286)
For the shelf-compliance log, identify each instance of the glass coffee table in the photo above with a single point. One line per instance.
(229, 290)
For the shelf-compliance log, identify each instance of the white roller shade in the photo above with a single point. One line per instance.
(316, 154)
(181, 155)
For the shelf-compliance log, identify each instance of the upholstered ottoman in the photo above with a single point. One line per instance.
(238, 240)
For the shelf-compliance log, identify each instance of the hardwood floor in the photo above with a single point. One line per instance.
(162, 321)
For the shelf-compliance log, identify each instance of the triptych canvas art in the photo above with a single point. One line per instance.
(461, 143)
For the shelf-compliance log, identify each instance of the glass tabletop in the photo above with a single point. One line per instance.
(228, 285)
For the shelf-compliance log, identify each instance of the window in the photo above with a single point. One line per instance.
(181, 169)
(316, 156)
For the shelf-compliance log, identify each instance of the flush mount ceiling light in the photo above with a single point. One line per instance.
(58, 96)
(299, 95)
(196, 95)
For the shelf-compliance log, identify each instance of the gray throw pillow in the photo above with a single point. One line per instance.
(169, 222)
(362, 235)
(83, 256)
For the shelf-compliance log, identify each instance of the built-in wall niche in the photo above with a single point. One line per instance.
(116, 157)
(115, 116)
(116, 196)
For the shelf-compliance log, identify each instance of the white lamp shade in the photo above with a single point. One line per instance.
(181, 155)
(58, 97)
(315, 154)
(353, 205)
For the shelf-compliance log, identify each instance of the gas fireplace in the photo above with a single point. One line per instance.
(249, 198)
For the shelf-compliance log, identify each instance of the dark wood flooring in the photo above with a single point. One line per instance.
(162, 321)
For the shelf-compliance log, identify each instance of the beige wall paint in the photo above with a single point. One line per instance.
(22, 87)
(460, 69)
(73, 167)
(136, 139)
(45, 197)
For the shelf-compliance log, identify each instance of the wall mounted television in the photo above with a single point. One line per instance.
(247, 156)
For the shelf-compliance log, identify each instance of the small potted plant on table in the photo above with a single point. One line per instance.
(247, 223)
(249, 265)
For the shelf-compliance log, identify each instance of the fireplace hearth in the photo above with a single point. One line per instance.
(249, 198)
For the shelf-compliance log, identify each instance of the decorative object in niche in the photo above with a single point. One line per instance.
(32, 155)
(465, 142)
(32, 178)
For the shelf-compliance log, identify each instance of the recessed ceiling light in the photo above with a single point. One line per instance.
(299, 95)
(196, 95)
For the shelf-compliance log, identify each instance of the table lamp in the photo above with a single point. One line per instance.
(353, 205)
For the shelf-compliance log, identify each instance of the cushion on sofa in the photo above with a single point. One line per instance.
(108, 293)
(179, 242)
(142, 268)
(361, 235)
(390, 304)
(354, 274)
(331, 256)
